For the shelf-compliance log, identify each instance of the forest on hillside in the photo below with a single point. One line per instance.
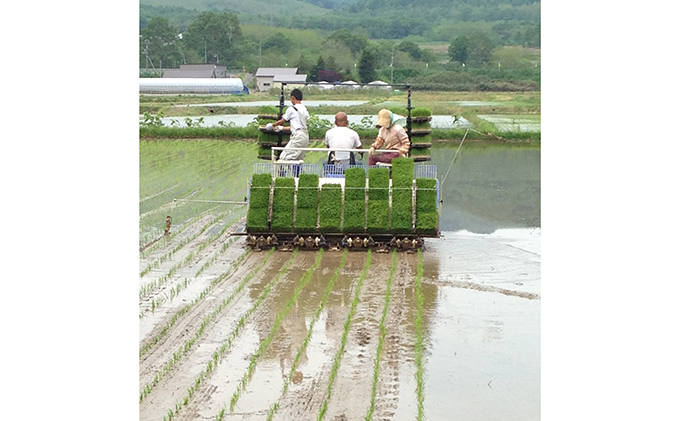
(479, 44)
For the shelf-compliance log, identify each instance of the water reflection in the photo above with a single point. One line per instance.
(489, 188)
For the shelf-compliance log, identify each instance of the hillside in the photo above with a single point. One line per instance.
(250, 7)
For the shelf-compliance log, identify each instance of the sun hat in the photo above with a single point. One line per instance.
(384, 118)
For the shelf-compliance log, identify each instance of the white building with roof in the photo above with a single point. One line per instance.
(265, 77)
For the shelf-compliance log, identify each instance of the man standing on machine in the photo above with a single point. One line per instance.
(342, 137)
(297, 114)
(390, 136)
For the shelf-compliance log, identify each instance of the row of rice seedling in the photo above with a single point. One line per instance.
(381, 338)
(179, 228)
(174, 291)
(168, 256)
(301, 351)
(226, 345)
(147, 288)
(419, 345)
(258, 214)
(181, 312)
(427, 214)
(182, 350)
(343, 342)
(355, 200)
(264, 344)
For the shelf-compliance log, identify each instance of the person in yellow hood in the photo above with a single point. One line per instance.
(392, 136)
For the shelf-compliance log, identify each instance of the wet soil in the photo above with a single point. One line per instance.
(481, 298)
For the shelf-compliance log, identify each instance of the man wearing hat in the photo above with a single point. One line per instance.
(390, 136)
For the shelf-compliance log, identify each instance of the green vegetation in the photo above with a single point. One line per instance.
(378, 217)
(330, 208)
(307, 208)
(426, 206)
(355, 200)
(402, 195)
(258, 214)
(282, 204)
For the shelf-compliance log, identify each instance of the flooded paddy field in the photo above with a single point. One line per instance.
(450, 332)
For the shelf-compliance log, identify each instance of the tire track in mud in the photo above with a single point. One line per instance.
(398, 350)
(305, 399)
(351, 395)
(181, 391)
(303, 347)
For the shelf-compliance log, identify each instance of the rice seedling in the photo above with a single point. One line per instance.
(378, 217)
(277, 322)
(381, 338)
(343, 342)
(282, 204)
(427, 215)
(330, 208)
(354, 218)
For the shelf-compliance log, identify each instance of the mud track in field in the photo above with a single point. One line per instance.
(481, 301)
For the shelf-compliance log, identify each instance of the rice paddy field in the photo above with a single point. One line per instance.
(451, 331)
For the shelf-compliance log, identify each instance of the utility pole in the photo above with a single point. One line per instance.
(392, 67)
(205, 51)
(260, 53)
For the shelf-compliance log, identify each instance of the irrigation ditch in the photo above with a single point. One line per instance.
(228, 333)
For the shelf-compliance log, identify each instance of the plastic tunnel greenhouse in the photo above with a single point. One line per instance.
(191, 85)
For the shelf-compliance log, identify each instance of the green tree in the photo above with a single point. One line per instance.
(480, 49)
(353, 40)
(159, 41)
(367, 71)
(411, 48)
(320, 65)
(458, 50)
(279, 41)
(303, 66)
(217, 36)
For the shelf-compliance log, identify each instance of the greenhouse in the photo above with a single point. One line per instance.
(191, 85)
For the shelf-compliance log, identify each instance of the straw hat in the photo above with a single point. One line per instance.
(384, 118)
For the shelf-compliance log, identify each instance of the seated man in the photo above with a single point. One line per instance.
(342, 137)
(390, 136)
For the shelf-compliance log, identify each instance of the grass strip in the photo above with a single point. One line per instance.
(248, 375)
(310, 331)
(419, 346)
(381, 339)
(345, 334)
(226, 345)
(182, 350)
